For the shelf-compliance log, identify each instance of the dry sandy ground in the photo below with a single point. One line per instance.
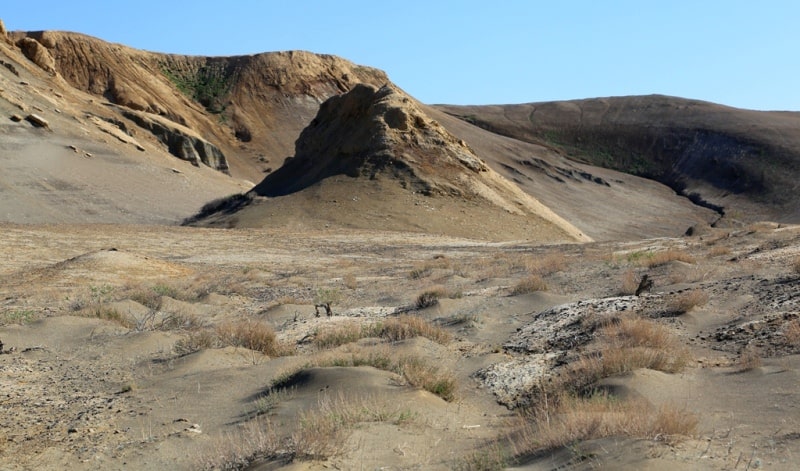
(100, 372)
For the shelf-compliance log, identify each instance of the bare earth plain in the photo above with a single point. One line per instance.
(117, 356)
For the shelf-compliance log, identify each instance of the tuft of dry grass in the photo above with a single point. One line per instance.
(630, 283)
(546, 265)
(791, 333)
(796, 265)
(574, 418)
(393, 329)
(109, 314)
(628, 344)
(253, 335)
(320, 433)
(406, 326)
(425, 269)
(341, 334)
(529, 284)
(719, 250)
(686, 301)
(666, 256)
(422, 375)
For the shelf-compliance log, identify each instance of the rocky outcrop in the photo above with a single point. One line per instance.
(38, 54)
(181, 142)
(371, 131)
(383, 134)
(4, 33)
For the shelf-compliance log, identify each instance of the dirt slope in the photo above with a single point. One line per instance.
(744, 161)
(379, 141)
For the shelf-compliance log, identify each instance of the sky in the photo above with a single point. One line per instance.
(738, 53)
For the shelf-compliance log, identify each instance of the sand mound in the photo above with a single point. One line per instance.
(100, 264)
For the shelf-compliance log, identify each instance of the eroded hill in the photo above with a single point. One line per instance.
(372, 158)
(737, 161)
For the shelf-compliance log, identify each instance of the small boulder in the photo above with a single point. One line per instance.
(38, 121)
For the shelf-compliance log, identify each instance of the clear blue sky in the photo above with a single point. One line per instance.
(743, 53)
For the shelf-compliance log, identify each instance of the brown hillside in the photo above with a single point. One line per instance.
(252, 107)
(745, 162)
(380, 143)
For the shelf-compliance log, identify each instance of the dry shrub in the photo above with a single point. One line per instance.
(196, 341)
(630, 283)
(252, 335)
(686, 301)
(574, 419)
(529, 284)
(666, 256)
(796, 265)
(749, 359)
(791, 332)
(430, 297)
(546, 265)
(405, 327)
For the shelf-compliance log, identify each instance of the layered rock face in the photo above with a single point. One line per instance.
(251, 108)
(368, 132)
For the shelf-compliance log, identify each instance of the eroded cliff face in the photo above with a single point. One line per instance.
(250, 108)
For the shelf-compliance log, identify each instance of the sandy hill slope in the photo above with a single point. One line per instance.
(743, 161)
(371, 158)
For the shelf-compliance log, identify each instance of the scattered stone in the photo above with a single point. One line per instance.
(175, 170)
(10, 67)
(37, 121)
(194, 428)
(16, 118)
(74, 148)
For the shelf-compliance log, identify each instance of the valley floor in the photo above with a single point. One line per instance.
(149, 347)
